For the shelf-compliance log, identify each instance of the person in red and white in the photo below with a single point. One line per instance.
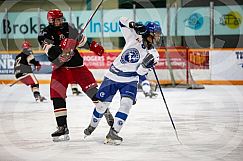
(24, 72)
(59, 40)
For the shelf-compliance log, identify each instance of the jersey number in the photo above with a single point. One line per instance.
(17, 62)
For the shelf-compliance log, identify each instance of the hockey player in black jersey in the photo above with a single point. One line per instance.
(59, 41)
(23, 70)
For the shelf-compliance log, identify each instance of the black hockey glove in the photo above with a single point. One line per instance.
(138, 27)
(148, 61)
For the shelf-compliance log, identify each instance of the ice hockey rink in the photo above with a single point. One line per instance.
(209, 123)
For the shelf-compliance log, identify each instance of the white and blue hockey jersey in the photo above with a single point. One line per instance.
(125, 66)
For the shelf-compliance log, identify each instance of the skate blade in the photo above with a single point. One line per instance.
(61, 138)
(78, 94)
(40, 101)
(85, 136)
(154, 96)
(112, 142)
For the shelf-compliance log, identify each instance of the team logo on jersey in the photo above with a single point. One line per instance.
(130, 56)
(95, 120)
(120, 122)
(102, 94)
(61, 36)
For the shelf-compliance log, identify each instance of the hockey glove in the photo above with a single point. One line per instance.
(66, 56)
(68, 44)
(138, 27)
(96, 48)
(148, 61)
(37, 66)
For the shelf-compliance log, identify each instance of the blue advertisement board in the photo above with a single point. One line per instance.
(7, 63)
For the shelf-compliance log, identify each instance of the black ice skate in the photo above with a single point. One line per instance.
(39, 98)
(76, 92)
(151, 94)
(88, 131)
(113, 138)
(109, 118)
(61, 134)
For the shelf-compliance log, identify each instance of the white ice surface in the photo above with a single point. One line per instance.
(209, 124)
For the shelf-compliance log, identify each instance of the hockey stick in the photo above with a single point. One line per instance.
(90, 18)
(14, 82)
(18, 80)
(155, 74)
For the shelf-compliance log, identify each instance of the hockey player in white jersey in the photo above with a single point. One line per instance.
(136, 58)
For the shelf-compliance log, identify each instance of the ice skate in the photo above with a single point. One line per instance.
(42, 98)
(39, 98)
(112, 138)
(76, 92)
(61, 134)
(151, 94)
(88, 131)
(109, 118)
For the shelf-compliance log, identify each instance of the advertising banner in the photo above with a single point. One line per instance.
(193, 21)
(7, 63)
(20, 25)
(228, 20)
(190, 21)
(178, 57)
(227, 65)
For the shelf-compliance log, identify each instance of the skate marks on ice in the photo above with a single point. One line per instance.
(209, 124)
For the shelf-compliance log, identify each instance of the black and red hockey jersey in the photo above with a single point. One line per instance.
(50, 38)
(23, 62)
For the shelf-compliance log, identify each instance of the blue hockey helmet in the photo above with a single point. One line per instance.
(154, 30)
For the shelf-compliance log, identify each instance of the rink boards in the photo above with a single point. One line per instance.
(217, 66)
